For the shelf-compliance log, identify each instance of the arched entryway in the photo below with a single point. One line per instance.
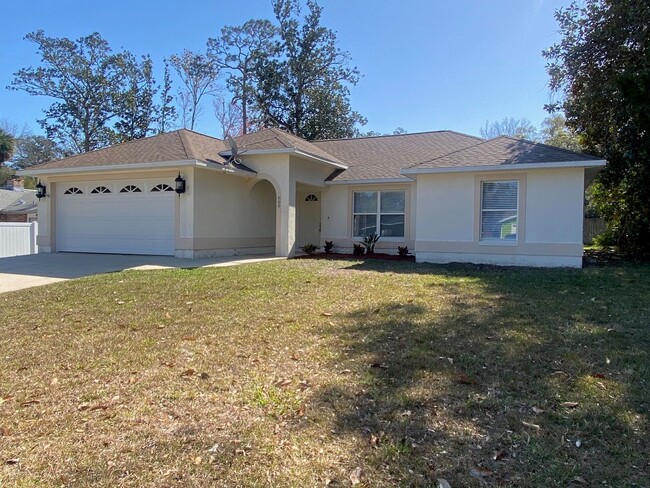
(263, 214)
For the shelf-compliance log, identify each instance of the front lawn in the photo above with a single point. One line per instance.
(315, 373)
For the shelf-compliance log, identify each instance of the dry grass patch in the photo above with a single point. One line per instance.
(297, 373)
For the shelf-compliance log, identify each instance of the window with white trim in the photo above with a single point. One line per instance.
(499, 211)
(378, 212)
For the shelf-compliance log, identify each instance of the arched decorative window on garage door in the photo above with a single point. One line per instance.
(100, 189)
(73, 190)
(162, 187)
(311, 198)
(131, 189)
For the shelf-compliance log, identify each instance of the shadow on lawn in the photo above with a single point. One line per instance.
(437, 392)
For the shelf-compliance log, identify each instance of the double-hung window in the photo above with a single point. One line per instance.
(499, 211)
(378, 212)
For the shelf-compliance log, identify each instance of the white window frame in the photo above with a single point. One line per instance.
(499, 242)
(378, 214)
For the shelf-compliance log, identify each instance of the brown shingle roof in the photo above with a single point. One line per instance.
(278, 139)
(179, 145)
(366, 157)
(504, 151)
(384, 156)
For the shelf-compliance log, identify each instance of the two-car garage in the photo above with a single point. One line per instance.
(116, 216)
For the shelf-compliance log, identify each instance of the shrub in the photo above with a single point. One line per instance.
(403, 251)
(328, 246)
(310, 248)
(369, 242)
(358, 250)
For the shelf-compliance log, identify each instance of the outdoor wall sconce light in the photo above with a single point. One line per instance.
(41, 190)
(180, 184)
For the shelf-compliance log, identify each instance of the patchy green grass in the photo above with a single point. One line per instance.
(297, 373)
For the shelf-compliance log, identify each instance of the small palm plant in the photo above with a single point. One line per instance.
(369, 242)
(310, 249)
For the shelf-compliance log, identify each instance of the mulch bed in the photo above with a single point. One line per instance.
(609, 256)
(592, 257)
(334, 255)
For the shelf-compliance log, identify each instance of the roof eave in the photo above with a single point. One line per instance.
(112, 168)
(504, 167)
(233, 170)
(288, 150)
(369, 181)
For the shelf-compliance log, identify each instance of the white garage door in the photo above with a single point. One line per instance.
(122, 217)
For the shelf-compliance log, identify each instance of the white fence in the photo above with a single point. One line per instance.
(18, 238)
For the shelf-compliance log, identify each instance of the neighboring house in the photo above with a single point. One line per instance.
(447, 196)
(16, 203)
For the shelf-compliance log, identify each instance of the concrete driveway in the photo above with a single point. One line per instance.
(19, 272)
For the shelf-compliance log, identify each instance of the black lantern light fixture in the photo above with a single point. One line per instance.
(41, 190)
(180, 184)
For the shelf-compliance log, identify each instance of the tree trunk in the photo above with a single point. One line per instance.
(244, 103)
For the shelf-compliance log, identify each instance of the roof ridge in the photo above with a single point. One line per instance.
(463, 134)
(450, 153)
(397, 135)
(180, 137)
(550, 146)
(275, 131)
(262, 140)
(197, 133)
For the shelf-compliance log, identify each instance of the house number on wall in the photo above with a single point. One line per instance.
(278, 202)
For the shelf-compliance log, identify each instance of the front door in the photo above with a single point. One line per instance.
(309, 219)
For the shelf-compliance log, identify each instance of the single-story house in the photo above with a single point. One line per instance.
(447, 196)
(16, 203)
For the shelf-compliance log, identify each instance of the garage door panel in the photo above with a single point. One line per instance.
(115, 245)
(135, 228)
(128, 223)
(118, 212)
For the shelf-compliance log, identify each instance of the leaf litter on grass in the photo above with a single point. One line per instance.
(294, 404)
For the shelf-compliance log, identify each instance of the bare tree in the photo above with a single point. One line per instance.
(14, 130)
(229, 116)
(509, 126)
(198, 74)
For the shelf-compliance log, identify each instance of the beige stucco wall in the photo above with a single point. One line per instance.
(337, 216)
(229, 214)
(309, 172)
(286, 172)
(549, 227)
(558, 193)
(224, 213)
(220, 213)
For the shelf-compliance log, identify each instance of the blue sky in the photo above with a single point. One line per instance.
(426, 64)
